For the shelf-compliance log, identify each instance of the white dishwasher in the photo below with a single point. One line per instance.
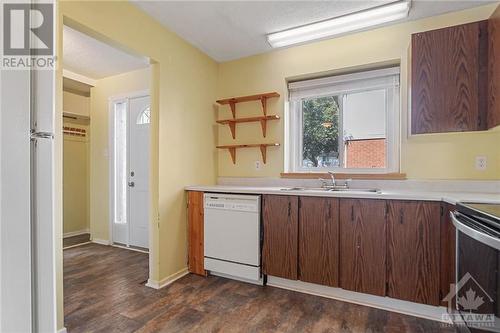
(232, 236)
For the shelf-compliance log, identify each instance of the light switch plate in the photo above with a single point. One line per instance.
(481, 163)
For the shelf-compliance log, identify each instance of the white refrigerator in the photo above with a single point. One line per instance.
(27, 229)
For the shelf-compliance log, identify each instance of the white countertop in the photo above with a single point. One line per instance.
(449, 197)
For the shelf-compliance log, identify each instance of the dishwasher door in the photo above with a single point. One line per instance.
(232, 228)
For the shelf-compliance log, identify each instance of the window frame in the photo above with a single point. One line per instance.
(341, 85)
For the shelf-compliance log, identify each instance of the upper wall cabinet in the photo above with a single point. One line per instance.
(449, 79)
(494, 69)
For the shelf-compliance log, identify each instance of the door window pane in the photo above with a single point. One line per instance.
(320, 132)
(120, 162)
(144, 117)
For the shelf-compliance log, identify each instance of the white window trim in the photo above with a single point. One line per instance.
(338, 85)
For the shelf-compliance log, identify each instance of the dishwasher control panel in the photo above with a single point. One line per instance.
(227, 202)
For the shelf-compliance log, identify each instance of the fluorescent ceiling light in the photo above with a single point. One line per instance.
(340, 25)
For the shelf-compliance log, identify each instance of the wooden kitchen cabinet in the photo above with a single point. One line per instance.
(363, 245)
(448, 251)
(449, 79)
(413, 254)
(494, 69)
(195, 214)
(319, 240)
(281, 227)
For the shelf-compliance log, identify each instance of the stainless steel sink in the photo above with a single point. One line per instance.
(367, 190)
(326, 189)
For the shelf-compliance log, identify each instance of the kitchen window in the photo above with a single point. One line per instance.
(346, 123)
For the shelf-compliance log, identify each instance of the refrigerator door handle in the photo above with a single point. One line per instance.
(41, 135)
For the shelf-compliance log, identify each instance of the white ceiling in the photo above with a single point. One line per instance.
(92, 58)
(227, 30)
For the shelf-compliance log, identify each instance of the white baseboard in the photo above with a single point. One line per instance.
(76, 233)
(168, 280)
(76, 245)
(129, 248)
(62, 330)
(437, 313)
(101, 241)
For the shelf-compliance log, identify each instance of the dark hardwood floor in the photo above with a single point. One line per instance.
(75, 240)
(104, 292)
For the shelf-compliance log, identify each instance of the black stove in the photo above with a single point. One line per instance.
(484, 211)
(476, 300)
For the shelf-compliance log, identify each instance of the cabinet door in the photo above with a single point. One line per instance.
(279, 251)
(319, 240)
(413, 251)
(363, 245)
(448, 249)
(494, 69)
(196, 255)
(449, 79)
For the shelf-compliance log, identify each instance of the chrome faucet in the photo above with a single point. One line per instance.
(332, 176)
(334, 186)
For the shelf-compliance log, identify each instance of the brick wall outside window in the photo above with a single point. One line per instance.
(365, 153)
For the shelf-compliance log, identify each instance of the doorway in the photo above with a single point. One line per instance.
(117, 130)
(129, 170)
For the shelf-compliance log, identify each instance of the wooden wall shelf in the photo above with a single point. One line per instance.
(262, 146)
(263, 123)
(259, 97)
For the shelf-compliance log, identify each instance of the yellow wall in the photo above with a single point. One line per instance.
(183, 91)
(75, 183)
(76, 167)
(440, 156)
(104, 89)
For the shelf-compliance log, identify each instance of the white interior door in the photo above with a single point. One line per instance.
(139, 152)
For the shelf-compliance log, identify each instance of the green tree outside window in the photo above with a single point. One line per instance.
(320, 131)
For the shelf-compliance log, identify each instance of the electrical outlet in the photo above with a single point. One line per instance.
(481, 163)
(258, 165)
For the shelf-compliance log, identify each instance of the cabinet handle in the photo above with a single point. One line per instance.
(289, 209)
(401, 216)
(352, 213)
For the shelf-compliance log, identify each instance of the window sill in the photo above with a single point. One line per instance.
(368, 176)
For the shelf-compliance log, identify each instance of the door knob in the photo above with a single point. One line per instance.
(131, 184)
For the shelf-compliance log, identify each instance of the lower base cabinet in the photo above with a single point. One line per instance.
(363, 246)
(380, 247)
(319, 240)
(413, 259)
(280, 246)
(448, 258)
(195, 214)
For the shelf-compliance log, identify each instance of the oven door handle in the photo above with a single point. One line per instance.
(475, 234)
